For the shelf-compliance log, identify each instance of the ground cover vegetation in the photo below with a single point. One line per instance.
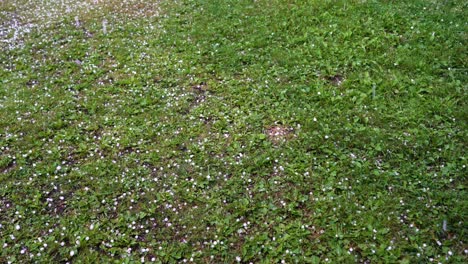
(208, 131)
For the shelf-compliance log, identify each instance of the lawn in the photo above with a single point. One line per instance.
(251, 131)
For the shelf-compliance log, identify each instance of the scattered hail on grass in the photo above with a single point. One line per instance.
(142, 167)
(30, 16)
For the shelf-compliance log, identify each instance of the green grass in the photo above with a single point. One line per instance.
(224, 131)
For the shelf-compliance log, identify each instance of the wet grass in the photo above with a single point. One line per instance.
(233, 131)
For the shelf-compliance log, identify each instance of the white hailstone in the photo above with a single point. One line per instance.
(59, 167)
(77, 22)
(238, 259)
(17, 227)
(72, 253)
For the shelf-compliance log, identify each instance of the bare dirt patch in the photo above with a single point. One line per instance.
(279, 133)
(336, 80)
